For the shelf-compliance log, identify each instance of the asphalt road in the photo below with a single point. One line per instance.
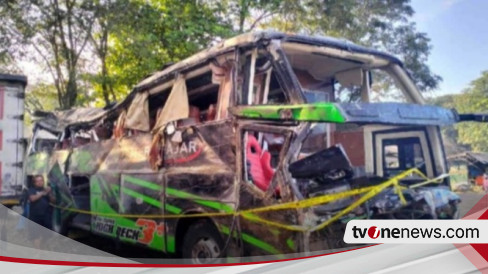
(468, 200)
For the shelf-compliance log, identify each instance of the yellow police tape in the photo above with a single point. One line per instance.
(369, 192)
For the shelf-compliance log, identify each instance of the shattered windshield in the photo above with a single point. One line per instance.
(325, 77)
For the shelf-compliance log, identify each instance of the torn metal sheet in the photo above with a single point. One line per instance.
(176, 106)
(87, 159)
(57, 121)
(138, 113)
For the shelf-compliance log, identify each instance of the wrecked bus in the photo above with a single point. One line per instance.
(265, 144)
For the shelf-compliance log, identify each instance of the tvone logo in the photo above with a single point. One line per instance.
(373, 232)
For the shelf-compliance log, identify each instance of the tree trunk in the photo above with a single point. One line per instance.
(105, 85)
(71, 90)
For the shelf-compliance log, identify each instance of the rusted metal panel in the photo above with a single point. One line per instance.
(272, 240)
(129, 154)
(220, 137)
(86, 160)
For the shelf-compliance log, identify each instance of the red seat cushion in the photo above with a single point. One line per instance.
(266, 164)
(195, 114)
(260, 166)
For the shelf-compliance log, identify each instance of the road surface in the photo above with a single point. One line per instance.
(468, 200)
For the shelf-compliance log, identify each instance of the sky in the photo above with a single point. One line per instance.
(458, 30)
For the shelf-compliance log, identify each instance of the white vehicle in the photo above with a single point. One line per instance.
(12, 148)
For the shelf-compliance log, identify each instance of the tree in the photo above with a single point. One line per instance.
(40, 97)
(474, 99)
(159, 32)
(57, 31)
(8, 64)
(382, 24)
(107, 21)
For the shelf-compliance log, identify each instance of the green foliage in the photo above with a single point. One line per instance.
(159, 33)
(474, 99)
(52, 33)
(107, 21)
(40, 97)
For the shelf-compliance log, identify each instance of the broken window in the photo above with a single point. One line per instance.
(384, 88)
(318, 138)
(80, 186)
(223, 75)
(103, 130)
(80, 138)
(342, 76)
(135, 119)
(43, 141)
(259, 84)
(156, 103)
(203, 97)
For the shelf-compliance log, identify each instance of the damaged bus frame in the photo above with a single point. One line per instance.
(261, 121)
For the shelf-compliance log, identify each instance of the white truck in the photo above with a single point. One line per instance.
(12, 142)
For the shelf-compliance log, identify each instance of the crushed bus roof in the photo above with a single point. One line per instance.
(58, 121)
(254, 38)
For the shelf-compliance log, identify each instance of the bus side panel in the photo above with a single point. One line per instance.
(126, 207)
(126, 195)
(199, 194)
(200, 178)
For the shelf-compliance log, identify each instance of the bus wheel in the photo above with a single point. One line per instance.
(202, 243)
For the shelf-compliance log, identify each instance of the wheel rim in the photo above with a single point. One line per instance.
(205, 250)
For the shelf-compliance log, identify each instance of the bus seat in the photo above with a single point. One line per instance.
(260, 167)
(211, 113)
(195, 114)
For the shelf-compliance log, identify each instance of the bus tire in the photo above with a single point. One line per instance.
(202, 243)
